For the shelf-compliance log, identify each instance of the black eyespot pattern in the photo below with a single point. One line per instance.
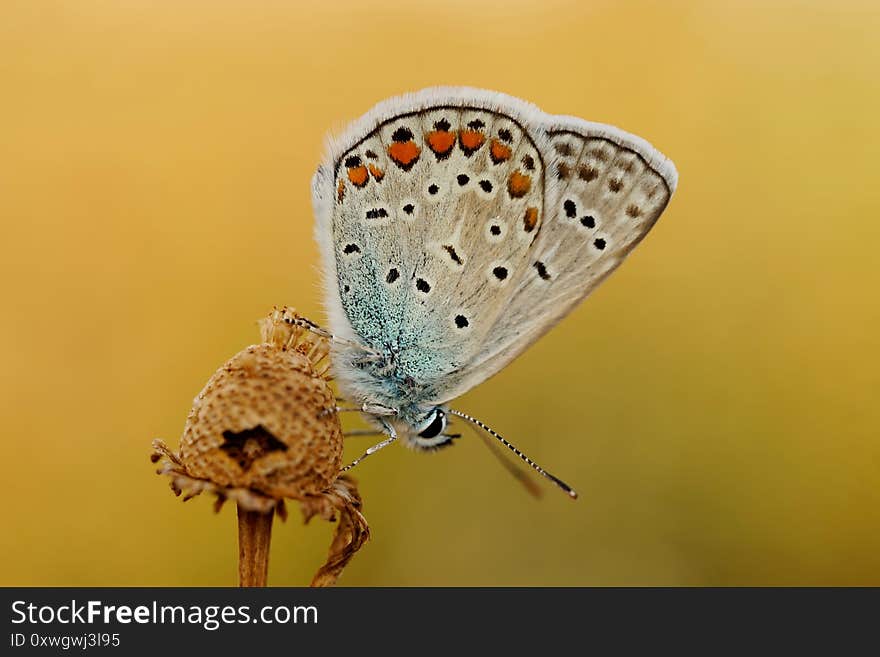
(392, 276)
(462, 179)
(486, 186)
(500, 273)
(461, 321)
(422, 285)
(433, 189)
(599, 243)
(351, 248)
(409, 208)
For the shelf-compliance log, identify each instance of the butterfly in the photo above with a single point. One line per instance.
(456, 226)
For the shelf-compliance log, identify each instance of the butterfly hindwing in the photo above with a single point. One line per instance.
(434, 209)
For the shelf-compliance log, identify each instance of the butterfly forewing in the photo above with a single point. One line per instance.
(603, 196)
(607, 198)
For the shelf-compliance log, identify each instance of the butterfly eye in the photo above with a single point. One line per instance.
(437, 425)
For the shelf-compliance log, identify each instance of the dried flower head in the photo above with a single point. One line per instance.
(264, 429)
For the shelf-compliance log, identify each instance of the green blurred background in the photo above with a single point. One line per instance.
(714, 402)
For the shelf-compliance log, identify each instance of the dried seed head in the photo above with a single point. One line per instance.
(261, 421)
(264, 428)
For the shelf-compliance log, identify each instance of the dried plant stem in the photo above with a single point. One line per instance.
(254, 536)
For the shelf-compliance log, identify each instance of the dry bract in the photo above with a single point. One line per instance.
(264, 429)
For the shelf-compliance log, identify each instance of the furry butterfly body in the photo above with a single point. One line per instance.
(456, 227)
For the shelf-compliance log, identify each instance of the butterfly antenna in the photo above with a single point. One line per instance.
(521, 475)
(537, 468)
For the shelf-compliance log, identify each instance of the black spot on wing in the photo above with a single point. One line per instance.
(542, 270)
(402, 134)
(452, 254)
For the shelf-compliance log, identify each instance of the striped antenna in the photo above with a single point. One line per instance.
(556, 480)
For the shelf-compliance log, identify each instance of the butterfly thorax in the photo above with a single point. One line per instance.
(391, 377)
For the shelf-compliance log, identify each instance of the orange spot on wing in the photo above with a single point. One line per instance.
(404, 153)
(441, 141)
(376, 172)
(358, 175)
(530, 220)
(518, 185)
(499, 152)
(471, 140)
(340, 191)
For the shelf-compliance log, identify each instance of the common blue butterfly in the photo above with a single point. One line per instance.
(457, 226)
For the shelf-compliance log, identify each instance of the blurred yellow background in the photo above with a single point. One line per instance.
(715, 402)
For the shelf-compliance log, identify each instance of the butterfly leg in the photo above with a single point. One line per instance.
(362, 432)
(311, 327)
(392, 436)
(370, 408)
